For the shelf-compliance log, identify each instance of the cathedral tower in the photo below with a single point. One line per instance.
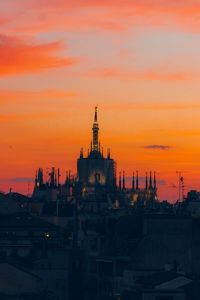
(95, 169)
(95, 130)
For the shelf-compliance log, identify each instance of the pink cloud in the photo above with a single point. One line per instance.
(20, 57)
(157, 74)
(103, 14)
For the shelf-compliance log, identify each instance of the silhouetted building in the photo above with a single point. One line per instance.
(90, 238)
(95, 183)
(95, 169)
(136, 195)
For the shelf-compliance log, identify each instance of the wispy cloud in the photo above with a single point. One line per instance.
(106, 15)
(10, 97)
(152, 106)
(161, 147)
(17, 179)
(18, 56)
(153, 75)
(173, 186)
(35, 116)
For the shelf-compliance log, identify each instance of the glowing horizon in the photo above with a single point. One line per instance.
(139, 60)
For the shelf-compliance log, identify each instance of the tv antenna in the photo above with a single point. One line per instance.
(180, 186)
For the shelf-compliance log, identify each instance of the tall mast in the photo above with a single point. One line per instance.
(95, 130)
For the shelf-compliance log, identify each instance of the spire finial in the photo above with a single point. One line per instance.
(95, 114)
(133, 182)
(69, 177)
(146, 186)
(95, 130)
(137, 184)
(150, 181)
(81, 153)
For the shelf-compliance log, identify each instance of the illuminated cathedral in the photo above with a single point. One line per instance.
(95, 169)
(98, 173)
(95, 183)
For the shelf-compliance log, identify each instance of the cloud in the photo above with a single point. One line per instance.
(161, 182)
(153, 106)
(33, 18)
(173, 186)
(106, 15)
(20, 57)
(161, 147)
(10, 97)
(34, 116)
(154, 75)
(17, 179)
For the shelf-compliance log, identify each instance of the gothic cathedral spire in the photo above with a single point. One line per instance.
(95, 130)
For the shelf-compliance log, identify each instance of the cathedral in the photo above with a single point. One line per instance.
(95, 169)
(95, 183)
(96, 175)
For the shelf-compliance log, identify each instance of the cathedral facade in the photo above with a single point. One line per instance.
(96, 174)
(95, 169)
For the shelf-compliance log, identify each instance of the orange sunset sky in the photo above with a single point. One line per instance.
(139, 60)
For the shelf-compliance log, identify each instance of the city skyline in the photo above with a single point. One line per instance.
(138, 60)
(27, 183)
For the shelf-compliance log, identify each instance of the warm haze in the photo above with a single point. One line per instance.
(138, 60)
